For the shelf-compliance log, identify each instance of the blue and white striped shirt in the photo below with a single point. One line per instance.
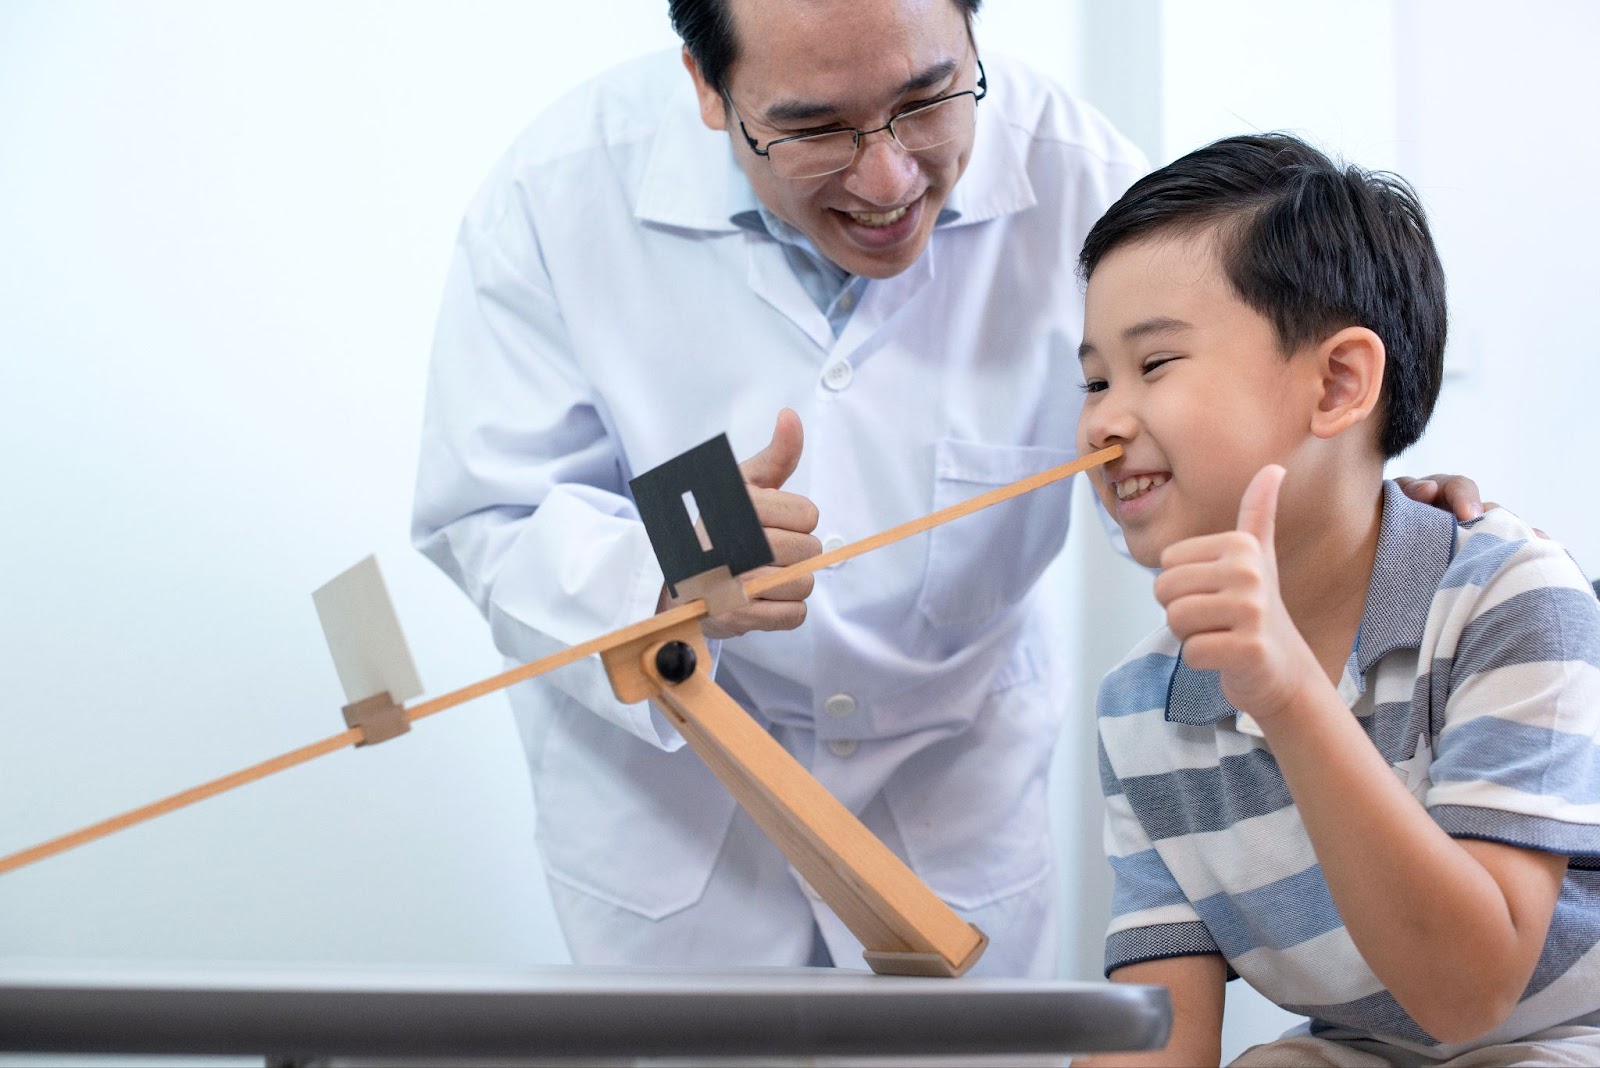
(1476, 672)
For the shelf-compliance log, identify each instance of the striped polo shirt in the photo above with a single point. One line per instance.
(1476, 672)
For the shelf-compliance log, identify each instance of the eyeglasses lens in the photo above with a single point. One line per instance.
(916, 131)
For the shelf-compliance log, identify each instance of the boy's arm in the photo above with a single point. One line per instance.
(1452, 928)
(1196, 984)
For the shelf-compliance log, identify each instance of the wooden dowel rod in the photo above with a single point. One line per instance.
(670, 618)
(179, 800)
(773, 579)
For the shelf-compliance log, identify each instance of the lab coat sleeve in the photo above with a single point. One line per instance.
(521, 495)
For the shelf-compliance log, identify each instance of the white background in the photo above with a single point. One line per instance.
(223, 233)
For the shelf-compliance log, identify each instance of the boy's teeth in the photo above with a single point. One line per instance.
(879, 218)
(1130, 488)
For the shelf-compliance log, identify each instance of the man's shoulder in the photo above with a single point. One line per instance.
(624, 104)
(1040, 109)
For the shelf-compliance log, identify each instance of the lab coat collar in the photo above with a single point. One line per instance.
(693, 182)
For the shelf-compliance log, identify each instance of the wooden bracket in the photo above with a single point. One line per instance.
(378, 718)
(904, 926)
(717, 587)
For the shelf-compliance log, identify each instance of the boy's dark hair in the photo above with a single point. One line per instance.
(1314, 247)
(706, 27)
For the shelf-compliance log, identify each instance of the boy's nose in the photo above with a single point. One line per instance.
(883, 173)
(1103, 423)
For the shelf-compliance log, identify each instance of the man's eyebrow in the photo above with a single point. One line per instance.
(792, 111)
(1158, 324)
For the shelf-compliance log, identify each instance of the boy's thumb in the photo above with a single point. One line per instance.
(771, 467)
(1258, 508)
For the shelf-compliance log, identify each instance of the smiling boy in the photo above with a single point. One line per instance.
(1358, 766)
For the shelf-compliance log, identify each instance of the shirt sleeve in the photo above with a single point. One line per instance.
(1151, 917)
(521, 496)
(1516, 758)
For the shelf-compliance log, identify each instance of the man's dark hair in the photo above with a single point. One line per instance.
(706, 27)
(1313, 246)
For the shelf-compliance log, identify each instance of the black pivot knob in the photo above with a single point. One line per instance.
(675, 661)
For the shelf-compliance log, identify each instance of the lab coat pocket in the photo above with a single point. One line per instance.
(985, 562)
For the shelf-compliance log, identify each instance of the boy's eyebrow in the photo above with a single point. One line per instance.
(1157, 324)
(788, 111)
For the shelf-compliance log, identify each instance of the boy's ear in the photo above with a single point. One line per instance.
(713, 108)
(1350, 365)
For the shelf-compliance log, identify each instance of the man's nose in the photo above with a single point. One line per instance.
(883, 173)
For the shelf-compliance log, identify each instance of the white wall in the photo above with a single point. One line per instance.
(223, 232)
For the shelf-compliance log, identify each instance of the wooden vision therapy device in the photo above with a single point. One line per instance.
(906, 929)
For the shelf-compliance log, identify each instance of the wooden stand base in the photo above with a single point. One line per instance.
(904, 926)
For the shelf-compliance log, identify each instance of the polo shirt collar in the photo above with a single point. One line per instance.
(1415, 544)
(693, 182)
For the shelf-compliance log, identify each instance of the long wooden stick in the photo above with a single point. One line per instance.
(644, 628)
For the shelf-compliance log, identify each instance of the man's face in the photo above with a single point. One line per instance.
(1193, 384)
(809, 65)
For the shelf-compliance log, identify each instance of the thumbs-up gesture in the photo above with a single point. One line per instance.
(788, 520)
(1222, 600)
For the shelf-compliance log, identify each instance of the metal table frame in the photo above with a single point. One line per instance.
(295, 1015)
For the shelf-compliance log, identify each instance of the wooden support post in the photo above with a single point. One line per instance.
(904, 926)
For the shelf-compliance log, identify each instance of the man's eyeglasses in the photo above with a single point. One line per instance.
(916, 129)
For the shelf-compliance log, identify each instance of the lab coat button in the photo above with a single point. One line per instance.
(832, 542)
(838, 375)
(843, 747)
(840, 705)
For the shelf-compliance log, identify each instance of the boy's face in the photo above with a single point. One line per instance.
(1191, 382)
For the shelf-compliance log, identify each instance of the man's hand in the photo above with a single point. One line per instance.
(1221, 596)
(1453, 493)
(788, 519)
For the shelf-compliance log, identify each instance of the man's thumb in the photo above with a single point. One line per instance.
(771, 467)
(1258, 508)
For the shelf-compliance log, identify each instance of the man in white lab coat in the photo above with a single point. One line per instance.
(840, 209)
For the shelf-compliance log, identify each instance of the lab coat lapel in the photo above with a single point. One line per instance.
(881, 301)
(774, 281)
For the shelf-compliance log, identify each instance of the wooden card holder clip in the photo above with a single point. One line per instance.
(378, 718)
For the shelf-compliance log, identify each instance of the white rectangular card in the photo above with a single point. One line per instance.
(369, 649)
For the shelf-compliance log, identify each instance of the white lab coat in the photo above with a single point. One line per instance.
(602, 315)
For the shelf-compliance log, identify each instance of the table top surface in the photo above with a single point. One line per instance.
(557, 1011)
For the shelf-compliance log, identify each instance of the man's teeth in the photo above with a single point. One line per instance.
(1130, 488)
(880, 218)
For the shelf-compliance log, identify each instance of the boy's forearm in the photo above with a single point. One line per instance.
(1432, 922)
(1196, 985)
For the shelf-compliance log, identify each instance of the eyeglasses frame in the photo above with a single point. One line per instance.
(977, 93)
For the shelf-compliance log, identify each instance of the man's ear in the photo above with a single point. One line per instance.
(713, 108)
(1350, 366)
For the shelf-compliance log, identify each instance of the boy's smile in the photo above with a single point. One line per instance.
(1191, 381)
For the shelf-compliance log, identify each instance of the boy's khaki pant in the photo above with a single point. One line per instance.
(1559, 1047)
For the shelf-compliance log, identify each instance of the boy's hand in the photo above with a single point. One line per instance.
(1221, 596)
